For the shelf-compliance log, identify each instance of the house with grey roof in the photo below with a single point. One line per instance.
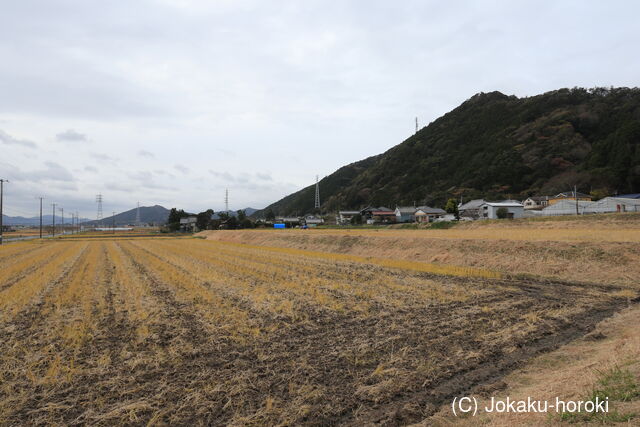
(471, 209)
(425, 214)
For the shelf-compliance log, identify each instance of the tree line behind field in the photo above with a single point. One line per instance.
(208, 220)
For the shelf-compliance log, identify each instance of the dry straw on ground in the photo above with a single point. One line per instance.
(189, 331)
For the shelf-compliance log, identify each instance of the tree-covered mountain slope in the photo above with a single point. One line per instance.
(497, 146)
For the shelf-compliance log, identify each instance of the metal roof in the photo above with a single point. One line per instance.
(504, 205)
(568, 194)
(406, 209)
(430, 210)
(472, 204)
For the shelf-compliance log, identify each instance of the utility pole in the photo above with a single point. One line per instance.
(2, 181)
(77, 222)
(113, 221)
(575, 195)
(41, 215)
(53, 227)
(62, 226)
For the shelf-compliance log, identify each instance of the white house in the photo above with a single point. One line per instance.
(312, 221)
(344, 217)
(489, 210)
(536, 202)
(405, 213)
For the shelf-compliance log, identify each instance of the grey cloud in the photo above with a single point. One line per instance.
(146, 179)
(103, 157)
(145, 153)
(90, 169)
(115, 186)
(51, 172)
(71, 135)
(7, 139)
(181, 168)
(241, 178)
(163, 172)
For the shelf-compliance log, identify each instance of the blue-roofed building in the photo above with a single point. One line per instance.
(629, 196)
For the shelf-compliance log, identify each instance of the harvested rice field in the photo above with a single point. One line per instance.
(205, 332)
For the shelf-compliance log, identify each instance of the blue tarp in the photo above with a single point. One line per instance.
(278, 226)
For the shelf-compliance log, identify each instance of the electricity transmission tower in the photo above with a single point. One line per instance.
(416, 125)
(226, 200)
(99, 215)
(138, 214)
(317, 205)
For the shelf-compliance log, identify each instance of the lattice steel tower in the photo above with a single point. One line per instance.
(226, 200)
(138, 214)
(99, 202)
(317, 206)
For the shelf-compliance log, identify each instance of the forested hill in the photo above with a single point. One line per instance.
(497, 146)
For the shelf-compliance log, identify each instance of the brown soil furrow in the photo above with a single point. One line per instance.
(465, 380)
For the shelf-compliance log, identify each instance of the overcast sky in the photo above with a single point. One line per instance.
(170, 102)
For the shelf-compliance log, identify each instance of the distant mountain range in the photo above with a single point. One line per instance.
(148, 215)
(496, 146)
(46, 220)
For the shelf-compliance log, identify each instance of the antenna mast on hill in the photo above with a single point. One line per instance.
(99, 202)
(138, 214)
(226, 200)
(317, 205)
(416, 125)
